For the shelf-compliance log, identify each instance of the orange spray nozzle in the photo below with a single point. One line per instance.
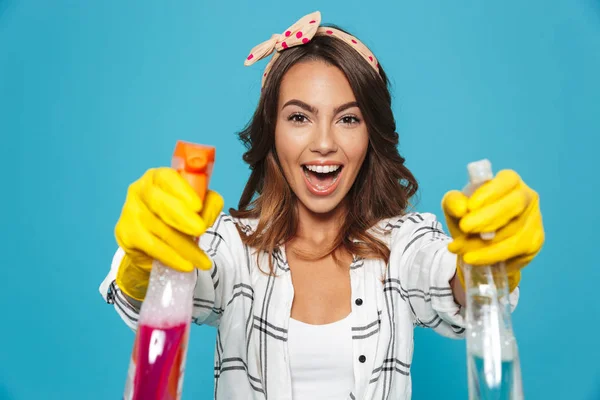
(195, 163)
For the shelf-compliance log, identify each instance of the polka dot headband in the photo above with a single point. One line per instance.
(301, 33)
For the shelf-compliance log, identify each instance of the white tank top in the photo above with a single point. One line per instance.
(321, 360)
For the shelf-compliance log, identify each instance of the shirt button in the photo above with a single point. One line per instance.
(362, 359)
(358, 302)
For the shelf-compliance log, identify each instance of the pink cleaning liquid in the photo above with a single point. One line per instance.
(159, 358)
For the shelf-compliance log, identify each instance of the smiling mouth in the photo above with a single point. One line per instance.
(322, 179)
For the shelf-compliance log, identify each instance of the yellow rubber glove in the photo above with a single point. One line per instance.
(160, 219)
(505, 205)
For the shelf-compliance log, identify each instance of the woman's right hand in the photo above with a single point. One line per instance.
(160, 219)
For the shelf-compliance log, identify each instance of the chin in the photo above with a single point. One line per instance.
(320, 206)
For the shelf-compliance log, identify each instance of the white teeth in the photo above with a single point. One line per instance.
(322, 169)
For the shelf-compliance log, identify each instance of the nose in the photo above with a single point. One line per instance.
(324, 141)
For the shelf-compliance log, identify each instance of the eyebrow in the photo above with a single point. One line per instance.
(313, 110)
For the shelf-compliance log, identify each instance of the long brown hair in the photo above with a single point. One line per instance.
(383, 186)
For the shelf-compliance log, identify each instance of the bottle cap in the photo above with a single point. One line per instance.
(195, 163)
(480, 171)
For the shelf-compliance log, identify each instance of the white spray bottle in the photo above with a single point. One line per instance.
(492, 358)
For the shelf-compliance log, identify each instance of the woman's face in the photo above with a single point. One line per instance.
(320, 136)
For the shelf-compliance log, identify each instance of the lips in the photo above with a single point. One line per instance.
(322, 179)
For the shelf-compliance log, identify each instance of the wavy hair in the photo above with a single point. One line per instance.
(383, 186)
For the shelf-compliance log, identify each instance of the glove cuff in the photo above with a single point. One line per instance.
(513, 278)
(131, 279)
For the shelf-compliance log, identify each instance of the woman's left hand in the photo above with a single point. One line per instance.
(504, 205)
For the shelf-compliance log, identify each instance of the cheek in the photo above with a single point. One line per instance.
(287, 153)
(356, 147)
(282, 147)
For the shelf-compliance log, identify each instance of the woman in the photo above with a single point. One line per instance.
(317, 280)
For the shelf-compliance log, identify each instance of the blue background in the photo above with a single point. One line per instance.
(92, 93)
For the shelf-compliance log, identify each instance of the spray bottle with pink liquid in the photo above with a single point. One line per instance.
(158, 358)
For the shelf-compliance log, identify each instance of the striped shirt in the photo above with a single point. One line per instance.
(251, 309)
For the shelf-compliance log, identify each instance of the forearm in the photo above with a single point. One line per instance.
(458, 291)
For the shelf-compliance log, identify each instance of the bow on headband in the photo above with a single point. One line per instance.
(301, 33)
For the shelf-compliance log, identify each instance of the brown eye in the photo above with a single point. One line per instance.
(350, 120)
(297, 118)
